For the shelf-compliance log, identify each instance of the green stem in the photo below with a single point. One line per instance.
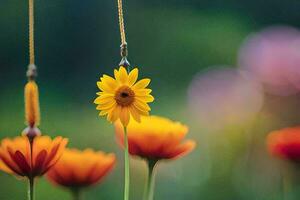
(76, 194)
(149, 189)
(31, 195)
(31, 184)
(286, 184)
(127, 172)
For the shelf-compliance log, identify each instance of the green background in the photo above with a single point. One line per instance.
(170, 41)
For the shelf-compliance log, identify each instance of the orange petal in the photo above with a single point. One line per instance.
(5, 168)
(183, 149)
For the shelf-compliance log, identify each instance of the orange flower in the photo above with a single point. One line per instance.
(77, 169)
(156, 138)
(15, 155)
(285, 143)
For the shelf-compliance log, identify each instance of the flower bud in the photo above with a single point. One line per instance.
(32, 108)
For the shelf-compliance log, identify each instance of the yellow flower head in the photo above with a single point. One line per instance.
(122, 97)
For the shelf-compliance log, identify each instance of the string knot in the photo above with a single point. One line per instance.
(124, 50)
(31, 72)
(124, 53)
(31, 132)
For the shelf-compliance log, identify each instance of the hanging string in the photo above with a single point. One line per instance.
(31, 92)
(31, 72)
(121, 22)
(31, 32)
(124, 51)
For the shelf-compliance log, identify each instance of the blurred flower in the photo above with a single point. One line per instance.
(32, 108)
(78, 169)
(121, 97)
(273, 56)
(15, 155)
(156, 138)
(285, 143)
(224, 96)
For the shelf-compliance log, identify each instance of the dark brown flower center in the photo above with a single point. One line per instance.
(124, 96)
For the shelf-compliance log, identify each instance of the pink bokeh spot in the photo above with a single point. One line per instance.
(224, 96)
(273, 56)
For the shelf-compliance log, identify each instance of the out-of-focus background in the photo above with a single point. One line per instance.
(228, 69)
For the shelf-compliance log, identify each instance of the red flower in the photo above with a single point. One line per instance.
(285, 143)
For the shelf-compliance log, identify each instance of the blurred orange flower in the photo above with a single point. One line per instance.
(77, 169)
(15, 155)
(156, 138)
(285, 143)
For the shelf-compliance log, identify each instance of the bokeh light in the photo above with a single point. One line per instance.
(273, 56)
(224, 96)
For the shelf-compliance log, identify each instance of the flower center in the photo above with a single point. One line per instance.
(124, 96)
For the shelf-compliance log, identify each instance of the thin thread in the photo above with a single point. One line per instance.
(31, 32)
(121, 22)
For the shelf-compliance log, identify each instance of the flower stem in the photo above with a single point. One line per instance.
(31, 195)
(149, 189)
(287, 183)
(76, 194)
(127, 172)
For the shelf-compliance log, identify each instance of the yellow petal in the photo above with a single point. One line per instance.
(123, 76)
(106, 106)
(103, 98)
(142, 92)
(132, 77)
(141, 111)
(109, 116)
(103, 112)
(117, 74)
(135, 114)
(115, 113)
(125, 116)
(104, 87)
(141, 84)
(146, 98)
(110, 113)
(112, 83)
(141, 105)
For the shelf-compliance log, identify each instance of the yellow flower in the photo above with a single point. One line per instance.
(122, 97)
